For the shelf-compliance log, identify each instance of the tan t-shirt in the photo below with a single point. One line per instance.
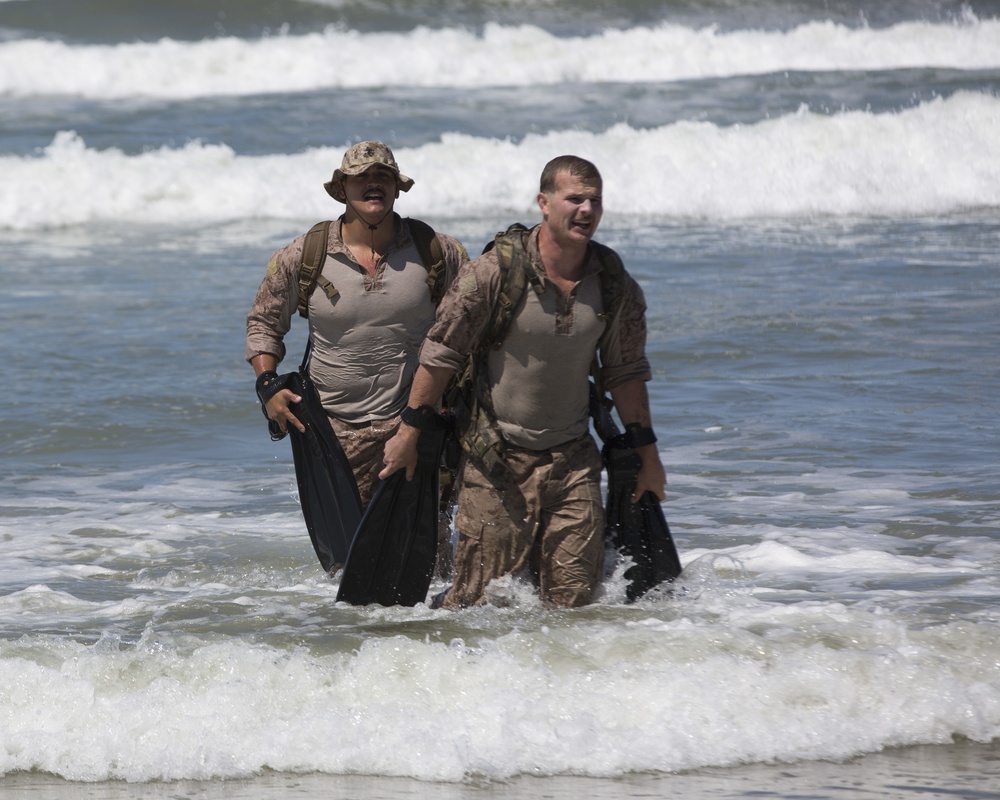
(535, 381)
(366, 337)
(538, 379)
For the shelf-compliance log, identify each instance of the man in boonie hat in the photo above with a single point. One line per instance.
(381, 276)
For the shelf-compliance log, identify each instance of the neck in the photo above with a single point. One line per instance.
(377, 234)
(561, 260)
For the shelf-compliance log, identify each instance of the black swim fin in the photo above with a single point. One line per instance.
(394, 550)
(638, 530)
(328, 492)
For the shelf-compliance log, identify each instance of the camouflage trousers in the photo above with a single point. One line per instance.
(364, 446)
(544, 515)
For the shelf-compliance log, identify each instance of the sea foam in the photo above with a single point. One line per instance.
(596, 699)
(939, 157)
(499, 55)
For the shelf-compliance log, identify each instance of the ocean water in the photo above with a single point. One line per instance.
(809, 192)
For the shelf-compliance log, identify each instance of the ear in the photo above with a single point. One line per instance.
(543, 204)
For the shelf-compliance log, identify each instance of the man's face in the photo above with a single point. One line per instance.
(573, 210)
(373, 191)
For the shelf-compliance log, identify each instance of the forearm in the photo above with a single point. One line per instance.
(632, 403)
(263, 362)
(428, 385)
(426, 390)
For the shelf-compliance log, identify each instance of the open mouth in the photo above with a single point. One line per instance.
(374, 195)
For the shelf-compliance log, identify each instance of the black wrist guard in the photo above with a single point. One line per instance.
(422, 418)
(269, 383)
(638, 436)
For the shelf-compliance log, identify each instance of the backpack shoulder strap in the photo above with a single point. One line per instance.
(311, 267)
(314, 255)
(431, 255)
(516, 274)
(468, 392)
(612, 277)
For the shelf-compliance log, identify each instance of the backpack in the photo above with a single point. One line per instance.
(468, 395)
(314, 255)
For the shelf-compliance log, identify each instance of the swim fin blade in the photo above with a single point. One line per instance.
(392, 557)
(638, 530)
(328, 492)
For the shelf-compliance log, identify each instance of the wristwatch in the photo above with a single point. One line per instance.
(638, 436)
(422, 418)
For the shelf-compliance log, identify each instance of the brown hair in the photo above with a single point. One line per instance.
(577, 167)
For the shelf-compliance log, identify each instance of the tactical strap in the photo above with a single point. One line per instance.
(637, 436)
(515, 275)
(314, 255)
(470, 395)
(431, 256)
(269, 383)
(311, 268)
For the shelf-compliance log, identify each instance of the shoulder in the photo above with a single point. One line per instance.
(615, 274)
(287, 258)
(292, 252)
(608, 257)
(480, 276)
(452, 248)
(487, 265)
(435, 245)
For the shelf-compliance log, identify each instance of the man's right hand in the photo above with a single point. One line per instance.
(278, 410)
(401, 452)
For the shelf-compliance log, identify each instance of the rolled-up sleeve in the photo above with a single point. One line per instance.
(623, 346)
(270, 316)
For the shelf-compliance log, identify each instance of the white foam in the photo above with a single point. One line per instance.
(938, 157)
(598, 699)
(498, 56)
(242, 666)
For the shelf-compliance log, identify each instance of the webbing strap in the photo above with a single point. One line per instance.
(431, 256)
(311, 268)
(517, 273)
(314, 254)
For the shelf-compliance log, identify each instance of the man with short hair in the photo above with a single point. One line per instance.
(541, 509)
(365, 325)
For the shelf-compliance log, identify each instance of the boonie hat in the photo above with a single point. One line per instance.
(360, 157)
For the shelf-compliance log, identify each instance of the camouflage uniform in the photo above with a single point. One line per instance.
(544, 512)
(364, 338)
(544, 515)
(372, 420)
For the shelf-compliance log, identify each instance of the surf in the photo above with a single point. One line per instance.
(496, 55)
(938, 157)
